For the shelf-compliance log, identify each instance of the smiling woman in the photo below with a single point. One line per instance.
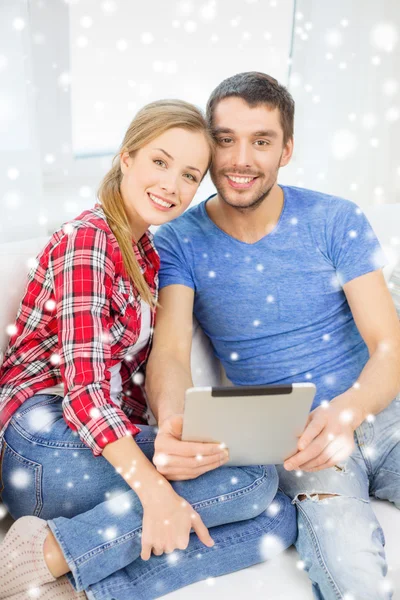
(151, 181)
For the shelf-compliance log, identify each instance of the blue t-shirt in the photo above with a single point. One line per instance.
(275, 310)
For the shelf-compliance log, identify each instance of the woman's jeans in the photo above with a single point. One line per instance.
(96, 517)
(340, 540)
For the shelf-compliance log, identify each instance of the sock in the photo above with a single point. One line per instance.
(22, 564)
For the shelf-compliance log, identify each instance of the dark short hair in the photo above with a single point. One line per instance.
(255, 88)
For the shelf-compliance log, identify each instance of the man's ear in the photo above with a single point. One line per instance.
(287, 153)
(125, 161)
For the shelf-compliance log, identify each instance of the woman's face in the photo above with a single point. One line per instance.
(160, 180)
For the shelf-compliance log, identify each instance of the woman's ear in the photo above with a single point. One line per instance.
(125, 161)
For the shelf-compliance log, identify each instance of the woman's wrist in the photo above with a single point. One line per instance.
(151, 487)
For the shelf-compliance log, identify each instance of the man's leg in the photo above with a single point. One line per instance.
(340, 540)
(381, 448)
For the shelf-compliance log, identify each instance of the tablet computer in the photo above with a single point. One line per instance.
(259, 425)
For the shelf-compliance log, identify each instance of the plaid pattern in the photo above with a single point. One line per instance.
(79, 316)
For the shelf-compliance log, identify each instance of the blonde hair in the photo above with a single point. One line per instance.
(152, 120)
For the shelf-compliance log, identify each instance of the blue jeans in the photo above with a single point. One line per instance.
(340, 540)
(96, 517)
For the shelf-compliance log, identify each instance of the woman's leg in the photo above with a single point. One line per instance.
(237, 546)
(62, 477)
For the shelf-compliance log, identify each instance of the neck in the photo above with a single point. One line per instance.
(137, 226)
(250, 225)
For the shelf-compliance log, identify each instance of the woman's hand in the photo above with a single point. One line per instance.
(167, 521)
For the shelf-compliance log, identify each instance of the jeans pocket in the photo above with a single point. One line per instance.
(1, 468)
(22, 484)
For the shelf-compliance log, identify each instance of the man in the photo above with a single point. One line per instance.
(287, 284)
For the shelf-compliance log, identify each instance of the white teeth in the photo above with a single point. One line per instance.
(241, 179)
(160, 202)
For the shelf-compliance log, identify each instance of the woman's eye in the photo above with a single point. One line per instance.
(159, 162)
(190, 176)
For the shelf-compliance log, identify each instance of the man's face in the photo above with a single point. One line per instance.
(249, 152)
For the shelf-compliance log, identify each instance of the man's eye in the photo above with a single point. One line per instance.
(225, 140)
(262, 143)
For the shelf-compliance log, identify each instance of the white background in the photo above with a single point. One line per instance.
(72, 75)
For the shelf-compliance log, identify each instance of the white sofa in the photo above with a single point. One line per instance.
(280, 578)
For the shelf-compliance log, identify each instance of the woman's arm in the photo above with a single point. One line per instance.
(167, 517)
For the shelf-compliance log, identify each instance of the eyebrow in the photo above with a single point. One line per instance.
(172, 158)
(262, 132)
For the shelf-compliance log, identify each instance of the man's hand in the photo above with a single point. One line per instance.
(327, 439)
(178, 460)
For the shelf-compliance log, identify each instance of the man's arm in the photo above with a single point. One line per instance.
(168, 376)
(328, 436)
(168, 373)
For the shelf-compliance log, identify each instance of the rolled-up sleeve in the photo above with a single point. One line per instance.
(82, 270)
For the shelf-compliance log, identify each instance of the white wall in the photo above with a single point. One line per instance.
(63, 98)
(21, 193)
(345, 80)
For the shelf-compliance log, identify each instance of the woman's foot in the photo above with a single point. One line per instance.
(22, 563)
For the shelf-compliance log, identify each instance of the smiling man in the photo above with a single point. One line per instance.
(287, 284)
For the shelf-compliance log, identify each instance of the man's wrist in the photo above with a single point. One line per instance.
(353, 409)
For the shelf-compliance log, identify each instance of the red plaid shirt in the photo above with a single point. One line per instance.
(79, 316)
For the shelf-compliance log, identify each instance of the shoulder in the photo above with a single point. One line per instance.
(89, 231)
(191, 223)
(316, 199)
(319, 205)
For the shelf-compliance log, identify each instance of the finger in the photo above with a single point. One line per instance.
(181, 474)
(158, 551)
(169, 445)
(146, 551)
(340, 455)
(201, 530)
(310, 453)
(324, 457)
(312, 430)
(171, 461)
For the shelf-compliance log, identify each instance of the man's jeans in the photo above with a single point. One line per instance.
(96, 517)
(340, 540)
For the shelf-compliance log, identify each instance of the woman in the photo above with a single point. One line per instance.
(73, 458)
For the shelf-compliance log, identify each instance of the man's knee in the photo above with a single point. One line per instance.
(315, 497)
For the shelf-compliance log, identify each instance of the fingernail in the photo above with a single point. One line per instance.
(288, 466)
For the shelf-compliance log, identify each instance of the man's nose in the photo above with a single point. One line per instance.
(242, 155)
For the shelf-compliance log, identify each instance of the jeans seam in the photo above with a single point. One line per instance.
(47, 443)
(42, 403)
(38, 473)
(79, 445)
(232, 495)
(70, 561)
(365, 457)
(84, 558)
(228, 542)
(318, 551)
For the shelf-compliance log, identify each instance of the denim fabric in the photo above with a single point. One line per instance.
(96, 517)
(340, 540)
